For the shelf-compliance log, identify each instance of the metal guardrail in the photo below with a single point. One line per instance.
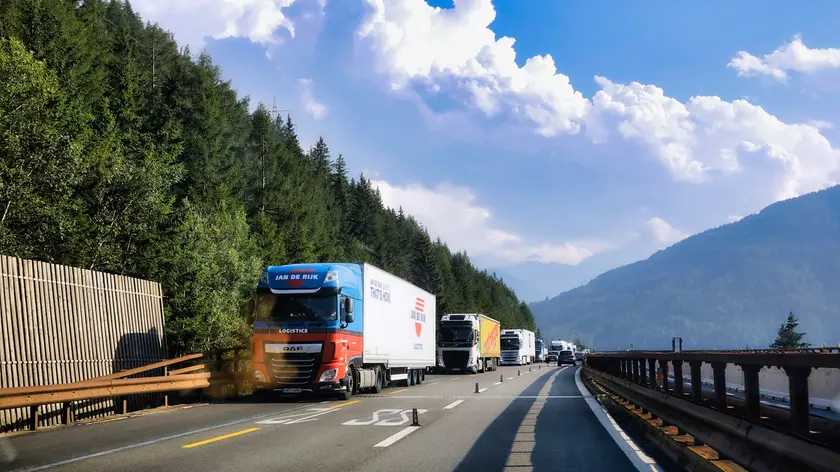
(118, 385)
(644, 376)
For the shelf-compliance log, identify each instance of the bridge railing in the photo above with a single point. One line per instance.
(646, 374)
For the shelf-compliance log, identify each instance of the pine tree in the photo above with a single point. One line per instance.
(788, 337)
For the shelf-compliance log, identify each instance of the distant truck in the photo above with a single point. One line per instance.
(340, 328)
(468, 343)
(517, 347)
(540, 351)
(554, 350)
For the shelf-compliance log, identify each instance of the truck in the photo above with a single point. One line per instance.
(540, 350)
(554, 350)
(468, 343)
(517, 347)
(338, 329)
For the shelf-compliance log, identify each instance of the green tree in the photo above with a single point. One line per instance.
(788, 337)
(579, 343)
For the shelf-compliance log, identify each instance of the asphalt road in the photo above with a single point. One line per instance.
(543, 420)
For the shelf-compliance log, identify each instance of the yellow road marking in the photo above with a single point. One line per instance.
(399, 391)
(345, 404)
(219, 438)
(433, 383)
(455, 378)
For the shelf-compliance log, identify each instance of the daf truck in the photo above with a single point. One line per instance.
(339, 329)
(517, 347)
(468, 343)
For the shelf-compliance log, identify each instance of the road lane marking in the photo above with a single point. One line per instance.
(637, 457)
(497, 383)
(482, 390)
(455, 378)
(344, 404)
(397, 436)
(219, 438)
(510, 378)
(453, 404)
(433, 383)
(398, 391)
(152, 441)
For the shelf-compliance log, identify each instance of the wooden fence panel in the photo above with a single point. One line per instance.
(61, 324)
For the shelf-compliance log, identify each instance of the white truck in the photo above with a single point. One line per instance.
(517, 347)
(468, 343)
(340, 329)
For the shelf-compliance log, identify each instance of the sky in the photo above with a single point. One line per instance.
(552, 140)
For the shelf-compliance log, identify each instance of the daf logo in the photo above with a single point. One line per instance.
(292, 348)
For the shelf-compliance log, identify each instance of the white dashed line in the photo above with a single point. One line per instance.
(510, 378)
(396, 437)
(497, 383)
(482, 390)
(453, 404)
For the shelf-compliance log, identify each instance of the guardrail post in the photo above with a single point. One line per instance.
(651, 373)
(752, 394)
(637, 375)
(696, 380)
(67, 413)
(165, 395)
(799, 405)
(719, 375)
(34, 418)
(678, 378)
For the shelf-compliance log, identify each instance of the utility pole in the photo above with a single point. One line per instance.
(142, 46)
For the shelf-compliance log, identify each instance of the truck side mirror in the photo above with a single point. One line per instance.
(348, 307)
(348, 318)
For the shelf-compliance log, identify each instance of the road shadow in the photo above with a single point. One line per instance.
(492, 448)
(566, 435)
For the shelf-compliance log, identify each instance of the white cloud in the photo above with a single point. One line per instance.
(454, 50)
(193, 21)
(706, 136)
(793, 56)
(318, 110)
(451, 213)
(664, 232)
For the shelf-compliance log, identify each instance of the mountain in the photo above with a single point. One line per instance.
(727, 287)
(534, 281)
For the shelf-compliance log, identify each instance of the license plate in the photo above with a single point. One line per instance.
(291, 390)
(455, 369)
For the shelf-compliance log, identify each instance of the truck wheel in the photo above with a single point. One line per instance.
(351, 385)
(377, 384)
(480, 365)
(419, 379)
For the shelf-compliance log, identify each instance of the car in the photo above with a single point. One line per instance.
(566, 357)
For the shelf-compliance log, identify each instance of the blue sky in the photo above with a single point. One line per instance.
(661, 120)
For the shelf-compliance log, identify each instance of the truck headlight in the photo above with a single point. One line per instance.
(258, 376)
(328, 375)
(332, 276)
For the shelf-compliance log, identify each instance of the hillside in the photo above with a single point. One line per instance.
(727, 287)
(112, 162)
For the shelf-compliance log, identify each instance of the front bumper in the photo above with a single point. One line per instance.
(318, 387)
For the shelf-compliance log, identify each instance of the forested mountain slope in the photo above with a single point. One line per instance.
(109, 163)
(727, 287)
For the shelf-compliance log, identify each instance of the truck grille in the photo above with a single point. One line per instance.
(455, 358)
(510, 356)
(293, 369)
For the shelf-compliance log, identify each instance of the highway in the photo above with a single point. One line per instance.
(541, 420)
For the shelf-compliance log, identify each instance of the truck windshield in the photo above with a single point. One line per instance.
(510, 343)
(271, 307)
(453, 334)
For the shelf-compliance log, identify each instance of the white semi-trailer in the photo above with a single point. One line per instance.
(517, 347)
